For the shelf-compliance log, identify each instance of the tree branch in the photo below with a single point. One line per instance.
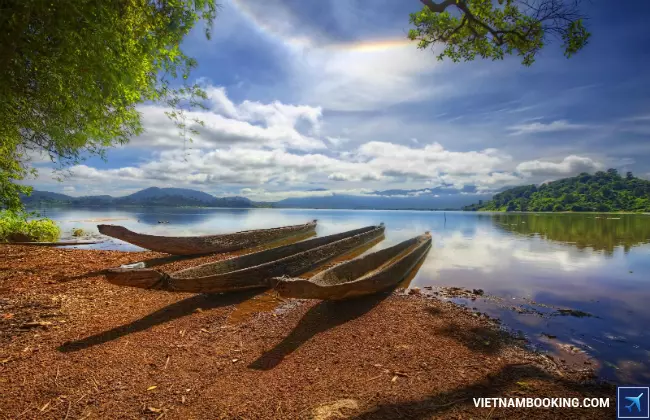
(460, 4)
(438, 7)
(456, 29)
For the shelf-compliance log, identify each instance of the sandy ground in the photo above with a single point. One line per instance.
(73, 346)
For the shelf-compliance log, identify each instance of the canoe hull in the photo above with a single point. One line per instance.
(249, 271)
(209, 244)
(372, 273)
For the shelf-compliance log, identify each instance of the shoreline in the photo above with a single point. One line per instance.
(325, 208)
(74, 345)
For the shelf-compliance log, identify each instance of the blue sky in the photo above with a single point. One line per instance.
(331, 96)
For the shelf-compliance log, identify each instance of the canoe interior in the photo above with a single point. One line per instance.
(343, 258)
(369, 274)
(367, 265)
(259, 258)
(154, 262)
(248, 271)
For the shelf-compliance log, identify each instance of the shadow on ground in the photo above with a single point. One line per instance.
(319, 318)
(151, 262)
(505, 383)
(177, 310)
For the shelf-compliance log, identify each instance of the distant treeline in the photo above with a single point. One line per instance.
(600, 192)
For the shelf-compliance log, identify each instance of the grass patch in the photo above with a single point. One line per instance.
(17, 227)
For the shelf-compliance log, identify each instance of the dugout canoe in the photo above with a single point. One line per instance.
(248, 271)
(372, 273)
(209, 244)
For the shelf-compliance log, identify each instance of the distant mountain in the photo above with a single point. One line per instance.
(425, 199)
(168, 197)
(45, 196)
(601, 192)
(154, 193)
(445, 189)
(93, 200)
(384, 202)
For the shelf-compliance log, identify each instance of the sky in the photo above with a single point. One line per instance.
(330, 97)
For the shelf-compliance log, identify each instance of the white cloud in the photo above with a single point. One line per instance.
(367, 72)
(220, 103)
(337, 141)
(338, 177)
(570, 165)
(37, 157)
(274, 125)
(275, 18)
(538, 127)
(261, 194)
(485, 182)
(373, 162)
(254, 143)
(637, 118)
(274, 114)
(432, 162)
(358, 78)
(279, 146)
(233, 165)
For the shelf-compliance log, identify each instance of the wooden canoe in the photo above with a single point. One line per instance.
(209, 244)
(248, 271)
(365, 275)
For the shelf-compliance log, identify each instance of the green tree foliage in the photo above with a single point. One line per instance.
(489, 29)
(601, 233)
(18, 227)
(73, 72)
(601, 192)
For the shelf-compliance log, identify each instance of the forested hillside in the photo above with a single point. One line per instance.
(602, 192)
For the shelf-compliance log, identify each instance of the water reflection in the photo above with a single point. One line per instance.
(580, 263)
(182, 218)
(601, 232)
(533, 264)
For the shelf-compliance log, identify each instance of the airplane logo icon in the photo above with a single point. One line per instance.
(635, 402)
(632, 402)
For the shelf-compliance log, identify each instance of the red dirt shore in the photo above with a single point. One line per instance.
(73, 346)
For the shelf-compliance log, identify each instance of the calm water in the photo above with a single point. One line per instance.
(529, 265)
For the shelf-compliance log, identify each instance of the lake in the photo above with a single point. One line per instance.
(532, 267)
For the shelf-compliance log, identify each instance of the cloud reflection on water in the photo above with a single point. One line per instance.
(598, 266)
